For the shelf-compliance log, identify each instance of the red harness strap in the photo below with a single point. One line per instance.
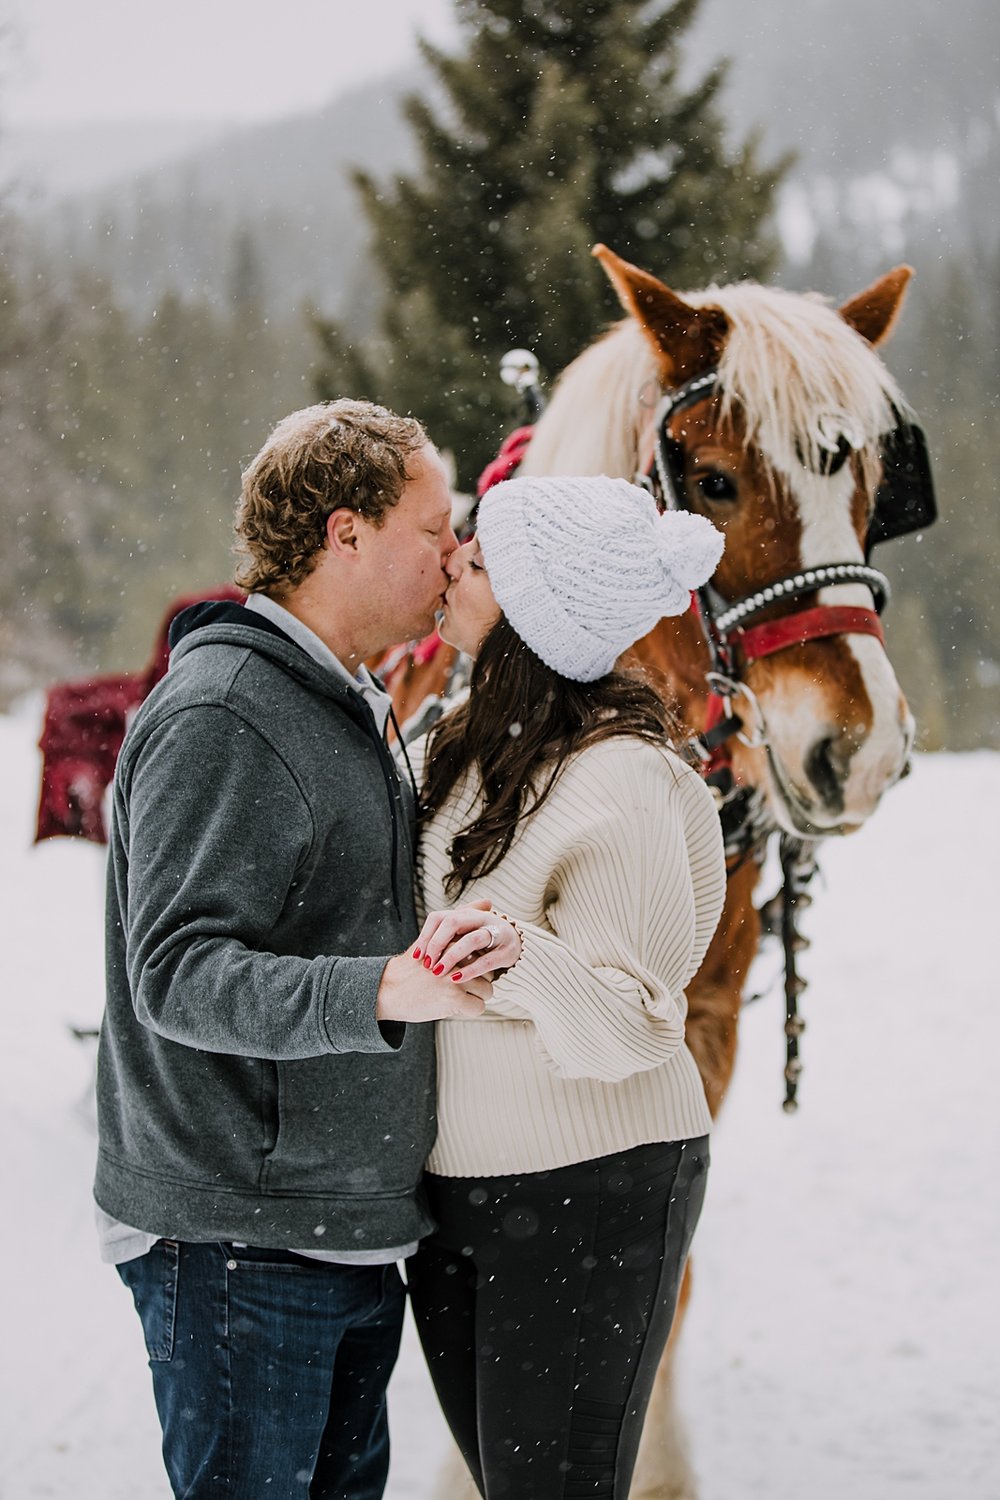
(507, 461)
(719, 756)
(806, 625)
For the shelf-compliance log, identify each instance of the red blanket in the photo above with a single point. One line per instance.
(84, 726)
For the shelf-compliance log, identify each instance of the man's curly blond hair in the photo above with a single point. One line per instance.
(339, 453)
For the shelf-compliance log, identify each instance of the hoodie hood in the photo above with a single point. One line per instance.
(215, 612)
(218, 623)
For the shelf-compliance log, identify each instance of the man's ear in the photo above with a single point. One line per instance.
(342, 532)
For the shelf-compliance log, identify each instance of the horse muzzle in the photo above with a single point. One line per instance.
(834, 784)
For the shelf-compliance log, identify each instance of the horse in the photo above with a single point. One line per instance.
(771, 413)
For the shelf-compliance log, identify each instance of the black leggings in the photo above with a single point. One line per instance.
(544, 1302)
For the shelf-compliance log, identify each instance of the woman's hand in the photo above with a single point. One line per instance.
(467, 942)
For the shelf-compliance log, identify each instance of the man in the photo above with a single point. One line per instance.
(265, 1102)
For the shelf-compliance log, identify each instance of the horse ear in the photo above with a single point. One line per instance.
(688, 340)
(873, 312)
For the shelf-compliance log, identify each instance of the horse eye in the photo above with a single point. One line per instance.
(717, 486)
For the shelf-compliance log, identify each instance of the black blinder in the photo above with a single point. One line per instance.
(904, 501)
(830, 459)
(673, 452)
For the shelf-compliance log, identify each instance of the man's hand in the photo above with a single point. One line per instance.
(409, 992)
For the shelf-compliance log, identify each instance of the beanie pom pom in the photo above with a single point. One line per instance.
(689, 549)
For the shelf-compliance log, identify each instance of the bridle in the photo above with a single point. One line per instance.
(733, 641)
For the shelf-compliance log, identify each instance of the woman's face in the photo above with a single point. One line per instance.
(470, 610)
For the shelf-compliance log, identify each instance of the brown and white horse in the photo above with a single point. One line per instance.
(783, 450)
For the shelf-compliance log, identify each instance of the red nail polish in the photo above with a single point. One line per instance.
(427, 963)
(439, 968)
(457, 976)
(416, 953)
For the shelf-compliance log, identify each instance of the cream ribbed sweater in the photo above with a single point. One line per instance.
(617, 883)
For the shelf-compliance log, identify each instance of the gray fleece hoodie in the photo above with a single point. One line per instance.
(259, 877)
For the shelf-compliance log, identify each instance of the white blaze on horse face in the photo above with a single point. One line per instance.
(871, 756)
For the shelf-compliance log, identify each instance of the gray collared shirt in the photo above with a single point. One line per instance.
(362, 682)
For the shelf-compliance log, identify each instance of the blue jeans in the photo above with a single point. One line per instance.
(269, 1370)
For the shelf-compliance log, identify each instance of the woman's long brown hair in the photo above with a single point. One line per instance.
(516, 731)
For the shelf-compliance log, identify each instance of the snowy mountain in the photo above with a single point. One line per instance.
(46, 163)
(179, 224)
(893, 112)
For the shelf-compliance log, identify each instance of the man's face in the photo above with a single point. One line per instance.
(405, 556)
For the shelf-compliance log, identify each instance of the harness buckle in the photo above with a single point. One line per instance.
(728, 688)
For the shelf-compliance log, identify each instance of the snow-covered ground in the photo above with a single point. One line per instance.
(846, 1322)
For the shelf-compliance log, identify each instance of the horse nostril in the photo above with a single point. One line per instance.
(826, 765)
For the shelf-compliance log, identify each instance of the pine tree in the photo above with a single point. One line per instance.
(56, 513)
(562, 123)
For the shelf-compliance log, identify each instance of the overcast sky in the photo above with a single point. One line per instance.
(75, 60)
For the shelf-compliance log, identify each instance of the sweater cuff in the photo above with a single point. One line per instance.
(503, 917)
(348, 1018)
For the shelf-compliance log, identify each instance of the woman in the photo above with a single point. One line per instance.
(570, 1162)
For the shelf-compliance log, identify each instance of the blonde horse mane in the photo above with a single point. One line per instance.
(598, 409)
(798, 374)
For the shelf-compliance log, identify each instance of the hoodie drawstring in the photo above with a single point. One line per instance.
(393, 788)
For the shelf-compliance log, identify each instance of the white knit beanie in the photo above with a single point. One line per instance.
(582, 568)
